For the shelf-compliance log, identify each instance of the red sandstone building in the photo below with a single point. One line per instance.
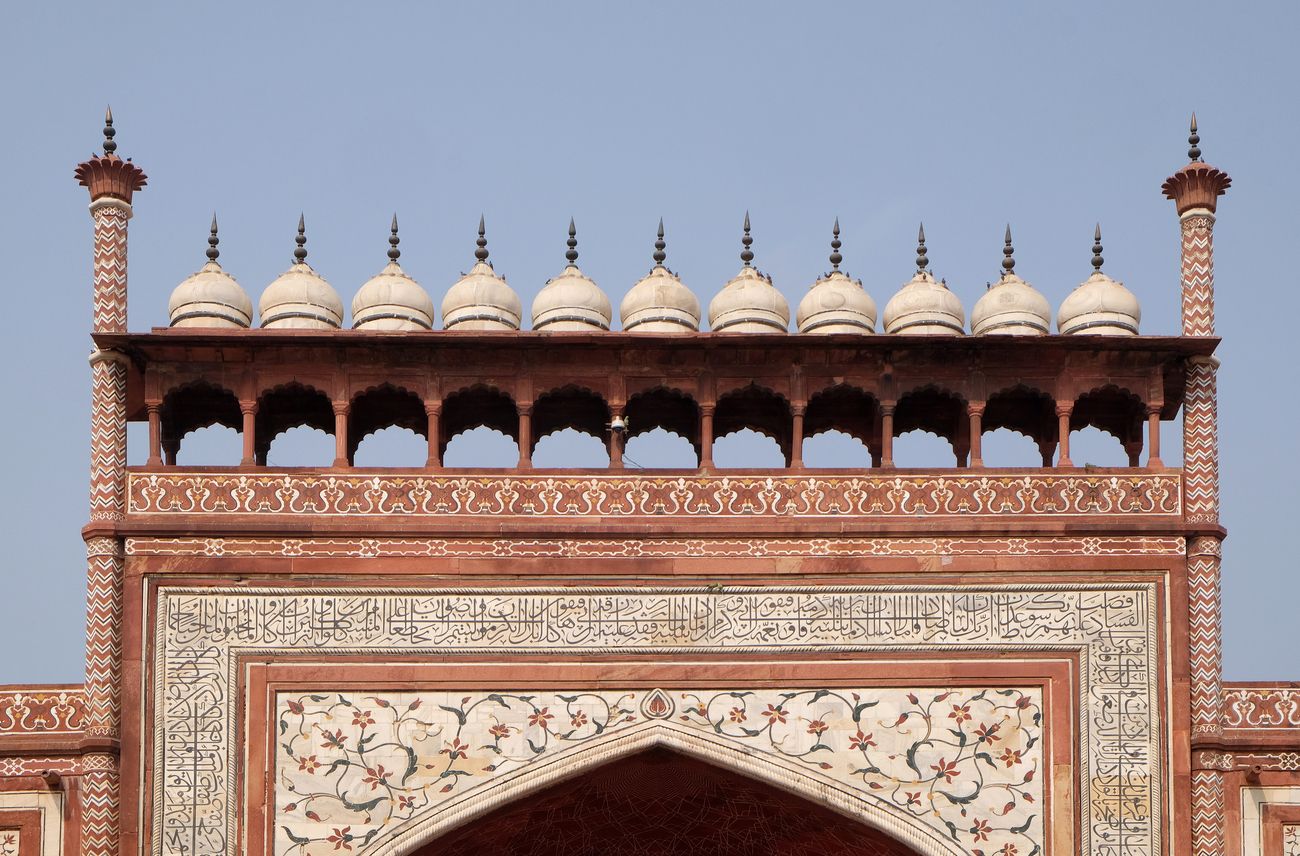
(967, 661)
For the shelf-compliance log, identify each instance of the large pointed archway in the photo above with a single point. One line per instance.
(659, 802)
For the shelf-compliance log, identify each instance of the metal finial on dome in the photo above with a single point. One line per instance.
(922, 260)
(109, 132)
(660, 245)
(393, 253)
(482, 252)
(746, 255)
(836, 258)
(1097, 260)
(571, 254)
(1008, 253)
(300, 252)
(213, 240)
(1194, 143)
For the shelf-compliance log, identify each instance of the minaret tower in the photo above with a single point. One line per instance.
(1195, 190)
(111, 182)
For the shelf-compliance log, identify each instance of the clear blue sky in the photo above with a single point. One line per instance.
(965, 115)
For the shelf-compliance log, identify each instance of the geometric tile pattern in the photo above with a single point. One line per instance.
(1205, 634)
(967, 762)
(199, 631)
(99, 807)
(1198, 274)
(1207, 813)
(110, 217)
(658, 498)
(1201, 442)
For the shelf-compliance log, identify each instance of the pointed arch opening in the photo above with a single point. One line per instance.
(479, 427)
(299, 421)
(930, 411)
(1020, 428)
(752, 427)
(842, 429)
(197, 422)
(1110, 410)
(663, 430)
(387, 425)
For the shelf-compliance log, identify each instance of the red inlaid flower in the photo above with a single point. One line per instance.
(737, 714)
(980, 831)
(308, 764)
(862, 741)
(332, 739)
(578, 720)
(341, 838)
(499, 730)
(295, 707)
(817, 727)
(913, 798)
(1009, 849)
(453, 750)
(362, 718)
(542, 718)
(946, 770)
(774, 714)
(988, 732)
(376, 776)
(1010, 757)
(405, 802)
(960, 712)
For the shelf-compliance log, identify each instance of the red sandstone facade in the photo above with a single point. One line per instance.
(887, 661)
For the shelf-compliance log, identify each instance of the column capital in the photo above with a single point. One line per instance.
(248, 408)
(975, 408)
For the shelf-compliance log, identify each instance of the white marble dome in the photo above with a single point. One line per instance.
(836, 303)
(300, 299)
(571, 302)
(481, 299)
(1011, 307)
(925, 306)
(210, 298)
(391, 300)
(1100, 306)
(660, 303)
(749, 303)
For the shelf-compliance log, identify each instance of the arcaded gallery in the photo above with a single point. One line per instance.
(876, 659)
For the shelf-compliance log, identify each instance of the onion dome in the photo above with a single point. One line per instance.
(659, 302)
(836, 303)
(749, 303)
(571, 302)
(481, 299)
(1100, 306)
(1011, 306)
(391, 300)
(211, 297)
(300, 299)
(924, 306)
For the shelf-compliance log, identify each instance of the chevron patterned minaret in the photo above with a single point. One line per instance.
(111, 182)
(1195, 190)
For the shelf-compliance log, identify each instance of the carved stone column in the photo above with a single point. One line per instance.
(975, 410)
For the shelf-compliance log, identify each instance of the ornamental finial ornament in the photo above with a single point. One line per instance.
(922, 260)
(1194, 143)
(836, 258)
(660, 256)
(746, 254)
(300, 252)
(1008, 254)
(393, 253)
(571, 254)
(481, 253)
(1097, 260)
(109, 132)
(107, 175)
(213, 253)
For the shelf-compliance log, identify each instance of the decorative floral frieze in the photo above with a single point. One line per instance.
(640, 548)
(1291, 840)
(36, 710)
(1261, 707)
(1074, 494)
(967, 762)
(10, 842)
(202, 632)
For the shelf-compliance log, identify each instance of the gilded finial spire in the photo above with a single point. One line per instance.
(1008, 254)
(109, 132)
(660, 246)
(836, 258)
(922, 260)
(393, 253)
(1194, 143)
(571, 254)
(746, 255)
(213, 240)
(1097, 260)
(481, 254)
(300, 252)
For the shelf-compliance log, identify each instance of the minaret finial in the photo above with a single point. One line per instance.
(1194, 143)
(481, 254)
(922, 260)
(660, 245)
(213, 240)
(572, 252)
(300, 252)
(836, 258)
(1008, 254)
(393, 253)
(746, 255)
(1097, 260)
(109, 132)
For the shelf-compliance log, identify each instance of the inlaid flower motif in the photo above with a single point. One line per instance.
(817, 727)
(987, 733)
(980, 830)
(341, 838)
(960, 713)
(332, 739)
(541, 718)
(862, 741)
(453, 750)
(308, 764)
(499, 730)
(362, 718)
(775, 713)
(737, 714)
(578, 719)
(376, 776)
(1010, 757)
(947, 770)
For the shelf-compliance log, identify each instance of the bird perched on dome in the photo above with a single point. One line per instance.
(210, 297)
(749, 303)
(836, 303)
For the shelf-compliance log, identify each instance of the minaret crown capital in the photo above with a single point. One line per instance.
(1197, 185)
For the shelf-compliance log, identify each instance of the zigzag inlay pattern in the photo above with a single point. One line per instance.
(107, 439)
(1198, 275)
(1207, 813)
(1205, 638)
(99, 809)
(110, 268)
(1201, 443)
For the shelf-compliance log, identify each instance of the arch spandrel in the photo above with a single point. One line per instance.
(944, 771)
